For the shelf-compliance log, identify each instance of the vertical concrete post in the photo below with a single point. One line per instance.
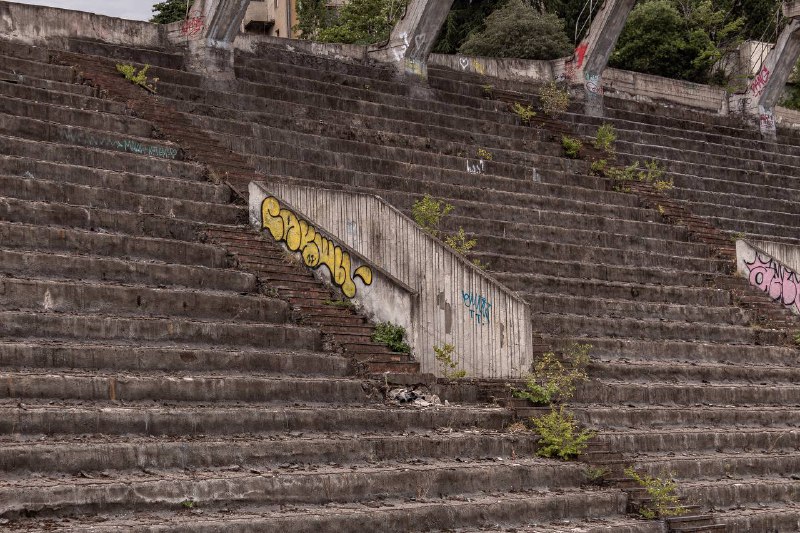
(766, 87)
(224, 21)
(412, 39)
(591, 56)
(210, 29)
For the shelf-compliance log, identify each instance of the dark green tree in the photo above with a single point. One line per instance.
(465, 17)
(517, 29)
(363, 22)
(312, 16)
(170, 11)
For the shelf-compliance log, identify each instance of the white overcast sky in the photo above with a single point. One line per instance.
(126, 9)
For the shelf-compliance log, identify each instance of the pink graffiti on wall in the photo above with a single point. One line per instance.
(760, 82)
(193, 25)
(781, 283)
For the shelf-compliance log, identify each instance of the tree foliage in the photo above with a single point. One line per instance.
(312, 17)
(170, 11)
(517, 29)
(359, 22)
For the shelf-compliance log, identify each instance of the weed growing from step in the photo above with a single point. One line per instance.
(188, 504)
(652, 173)
(525, 113)
(444, 357)
(796, 338)
(663, 494)
(554, 379)
(486, 155)
(137, 78)
(392, 335)
(559, 434)
(598, 167)
(572, 146)
(596, 475)
(604, 138)
(429, 213)
(554, 101)
(487, 91)
(346, 304)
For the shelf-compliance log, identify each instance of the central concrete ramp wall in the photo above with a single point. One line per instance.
(455, 302)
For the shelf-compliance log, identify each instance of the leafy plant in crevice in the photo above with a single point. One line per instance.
(662, 492)
(525, 113)
(170, 11)
(598, 168)
(429, 213)
(484, 154)
(444, 357)
(392, 335)
(360, 22)
(137, 78)
(346, 304)
(571, 145)
(652, 173)
(553, 100)
(604, 138)
(559, 434)
(487, 91)
(554, 379)
(796, 338)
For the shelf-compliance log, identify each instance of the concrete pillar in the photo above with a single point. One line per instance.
(587, 64)
(224, 21)
(210, 29)
(766, 87)
(412, 39)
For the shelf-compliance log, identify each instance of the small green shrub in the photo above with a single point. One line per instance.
(663, 493)
(572, 146)
(554, 100)
(559, 434)
(429, 212)
(347, 304)
(140, 78)
(188, 504)
(525, 113)
(796, 338)
(653, 173)
(393, 336)
(605, 137)
(555, 379)
(484, 154)
(459, 242)
(598, 167)
(487, 91)
(596, 475)
(444, 356)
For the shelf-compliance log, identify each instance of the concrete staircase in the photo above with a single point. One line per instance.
(681, 380)
(166, 368)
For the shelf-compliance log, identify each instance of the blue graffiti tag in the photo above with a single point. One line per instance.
(479, 308)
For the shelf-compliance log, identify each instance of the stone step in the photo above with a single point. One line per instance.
(85, 156)
(758, 216)
(753, 490)
(82, 354)
(164, 187)
(36, 113)
(686, 393)
(733, 467)
(176, 386)
(754, 373)
(656, 328)
(54, 239)
(38, 69)
(676, 350)
(563, 304)
(24, 263)
(131, 300)
(625, 417)
(40, 190)
(19, 324)
(707, 439)
(387, 515)
(53, 96)
(769, 516)
(71, 455)
(756, 199)
(761, 230)
(148, 56)
(146, 419)
(13, 78)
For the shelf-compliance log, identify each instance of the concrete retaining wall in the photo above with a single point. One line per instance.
(645, 87)
(453, 301)
(502, 68)
(772, 268)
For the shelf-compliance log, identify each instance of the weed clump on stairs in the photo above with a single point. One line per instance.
(137, 78)
(392, 335)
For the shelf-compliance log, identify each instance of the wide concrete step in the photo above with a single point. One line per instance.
(721, 439)
(59, 326)
(41, 190)
(750, 490)
(142, 184)
(686, 393)
(38, 69)
(713, 209)
(72, 456)
(181, 386)
(121, 356)
(732, 466)
(30, 116)
(625, 417)
(58, 239)
(149, 56)
(34, 92)
(389, 515)
(9, 76)
(783, 516)
(756, 199)
(40, 294)
(146, 419)
(562, 304)
(25, 263)
(761, 230)
(104, 159)
(753, 372)
(655, 328)
(682, 351)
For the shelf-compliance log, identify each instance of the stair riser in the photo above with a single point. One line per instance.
(741, 493)
(55, 97)
(132, 358)
(680, 373)
(675, 416)
(158, 330)
(734, 468)
(37, 69)
(68, 298)
(103, 269)
(697, 441)
(542, 303)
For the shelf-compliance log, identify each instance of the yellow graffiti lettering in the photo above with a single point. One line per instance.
(300, 236)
